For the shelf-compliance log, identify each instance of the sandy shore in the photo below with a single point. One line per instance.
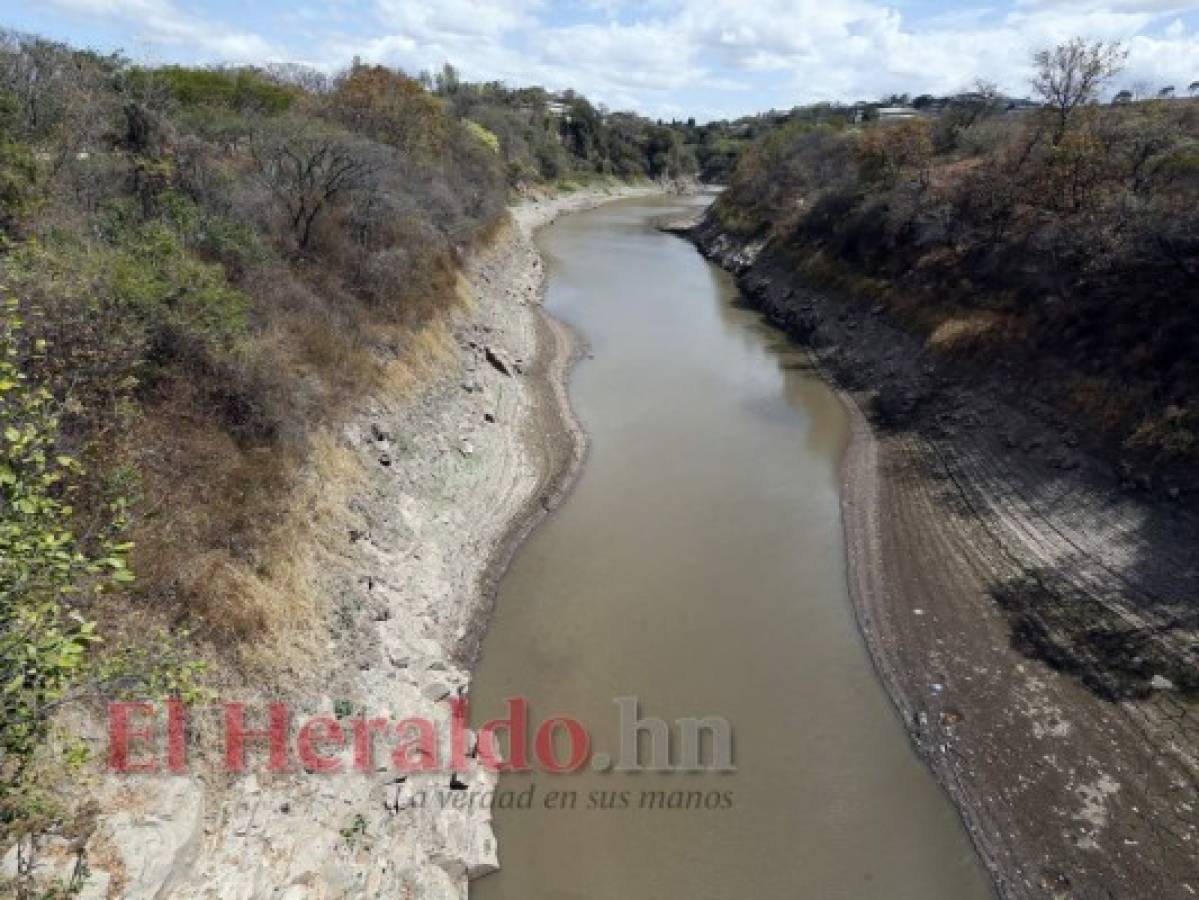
(1027, 613)
(441, 481)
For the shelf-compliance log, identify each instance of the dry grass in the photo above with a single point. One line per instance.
(424, 352)
(960, 335)
(230, 534)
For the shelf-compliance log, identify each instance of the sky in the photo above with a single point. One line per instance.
(663, 58)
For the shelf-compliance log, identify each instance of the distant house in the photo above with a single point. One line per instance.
(896, 113)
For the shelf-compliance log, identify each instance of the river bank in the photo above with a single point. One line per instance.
(421, 499)
(1028, 613)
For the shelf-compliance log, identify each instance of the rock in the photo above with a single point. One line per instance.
(465, 447)
(436, 691)
(499, 360)
(489, 417)
(156, 844)
(1161, 683)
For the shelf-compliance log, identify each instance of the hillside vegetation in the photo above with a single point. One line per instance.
(199, 270)
(1057, 244)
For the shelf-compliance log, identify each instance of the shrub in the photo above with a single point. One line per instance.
(486, 137)
(240, 89)
(50, 569)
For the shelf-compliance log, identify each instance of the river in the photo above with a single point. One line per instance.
(699, 566)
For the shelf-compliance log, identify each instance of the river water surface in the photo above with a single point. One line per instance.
(698, 566)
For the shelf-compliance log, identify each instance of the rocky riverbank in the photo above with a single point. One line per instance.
(427, 493)
(1031, 611)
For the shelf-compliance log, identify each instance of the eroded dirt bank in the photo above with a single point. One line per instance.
(1032, 614)
(435, 487)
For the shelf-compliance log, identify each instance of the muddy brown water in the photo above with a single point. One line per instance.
(698, 565)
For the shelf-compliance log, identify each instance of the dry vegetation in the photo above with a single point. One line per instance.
(201, 270)
(220, 261)
(1061, 241)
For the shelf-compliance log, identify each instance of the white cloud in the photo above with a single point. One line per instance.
(161, 22)
(673, 57)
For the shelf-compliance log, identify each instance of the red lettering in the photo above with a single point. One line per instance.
(319, 732)
(119, 735)
(419, 754)
(236, 735)
(364, 746)
(517, 726)
(458, 716)
(176, 737)
(580, 743)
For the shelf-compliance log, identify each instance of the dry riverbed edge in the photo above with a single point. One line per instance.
(1073, 781)
(441, 486)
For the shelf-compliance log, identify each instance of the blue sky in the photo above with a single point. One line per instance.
(670, 58)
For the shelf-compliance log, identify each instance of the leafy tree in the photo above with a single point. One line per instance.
(389, 107)
(447, 81)
(485, 136)
(243, 89)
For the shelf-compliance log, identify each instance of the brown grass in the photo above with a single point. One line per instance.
(965, 333)
(230, 533)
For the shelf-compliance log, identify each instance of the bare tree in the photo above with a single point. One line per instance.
(307, 166)
(1071, 75)
(984, 100)
(298, 75)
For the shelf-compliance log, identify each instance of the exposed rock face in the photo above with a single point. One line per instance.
(449, 480)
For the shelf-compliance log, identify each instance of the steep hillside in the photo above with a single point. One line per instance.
(204, 273)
